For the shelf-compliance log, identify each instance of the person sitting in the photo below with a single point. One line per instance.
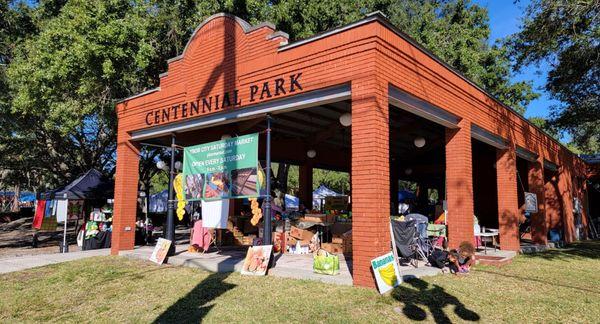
(461, 259)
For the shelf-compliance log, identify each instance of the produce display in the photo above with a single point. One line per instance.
(256, 211)
(388, 274)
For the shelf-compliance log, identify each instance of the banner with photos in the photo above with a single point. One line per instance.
(222, 169)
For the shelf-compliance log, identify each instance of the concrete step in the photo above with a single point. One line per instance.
(496, 258)
(533, 248)
(493, 260)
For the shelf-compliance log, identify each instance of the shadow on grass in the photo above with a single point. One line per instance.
(583, 249)
(194, 306)
(552, 283)
(434, 298)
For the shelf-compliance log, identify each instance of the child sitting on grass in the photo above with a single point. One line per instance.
(461, 260)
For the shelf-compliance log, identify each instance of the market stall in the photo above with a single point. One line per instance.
(87, 195)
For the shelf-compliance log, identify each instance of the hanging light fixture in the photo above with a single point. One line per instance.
(311, 153)
(408, 171)
(225, 136)
(161, 165)
(419, 142)
(346, 119)
(178, 165)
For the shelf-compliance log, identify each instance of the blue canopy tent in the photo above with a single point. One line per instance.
(24, 196)
(27, 197)
(320, 193)
(291, 202)
(158, 202)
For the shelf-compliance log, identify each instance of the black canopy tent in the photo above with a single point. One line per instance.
(92, 187)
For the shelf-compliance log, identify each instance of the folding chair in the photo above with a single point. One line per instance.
(406, 241)
(203, 237)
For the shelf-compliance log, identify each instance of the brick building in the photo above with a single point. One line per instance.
(478, 154)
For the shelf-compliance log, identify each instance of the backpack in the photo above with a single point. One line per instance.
(438, 259)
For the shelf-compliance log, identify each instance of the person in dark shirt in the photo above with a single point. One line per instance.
(461, 260)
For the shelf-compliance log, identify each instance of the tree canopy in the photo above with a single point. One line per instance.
(566, 34)
(65, 64)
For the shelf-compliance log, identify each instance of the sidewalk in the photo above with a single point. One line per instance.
(32, 261)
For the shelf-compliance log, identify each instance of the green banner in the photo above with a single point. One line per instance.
(222, 169)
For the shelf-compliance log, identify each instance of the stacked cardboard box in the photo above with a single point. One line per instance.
(318, 218)
(347, 242)
(335, 248)
(342, 235)
(301, 235)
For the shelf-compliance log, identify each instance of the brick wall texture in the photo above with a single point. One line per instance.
(224, 54)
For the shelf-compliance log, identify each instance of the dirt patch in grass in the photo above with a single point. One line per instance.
(556, 286)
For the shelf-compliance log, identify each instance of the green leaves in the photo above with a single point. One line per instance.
(567, 35)
(70, 61)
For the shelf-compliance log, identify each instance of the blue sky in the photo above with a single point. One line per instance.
(505, 18)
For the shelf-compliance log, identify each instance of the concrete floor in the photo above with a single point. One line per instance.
(19, 263)
(231, 260)
(285, 265)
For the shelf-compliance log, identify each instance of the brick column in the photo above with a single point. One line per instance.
(459, 184)
(565, 188)
(370, 177)
(539, 231)
(305, 184)
(508, 199)
(553, 205)
(126, 192)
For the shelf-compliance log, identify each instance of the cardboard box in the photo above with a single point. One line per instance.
(334, 248)
(291, 241)
(319, 218)
(347, 242)
(279, 242)
(300, 234)
(347, 247)
(337, 203)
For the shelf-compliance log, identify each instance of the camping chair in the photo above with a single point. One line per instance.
(406, 242)
(213, 240)
(421, 222)
(204, 237)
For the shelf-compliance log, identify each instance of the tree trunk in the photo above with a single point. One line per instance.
(282, 177)
(15, 204)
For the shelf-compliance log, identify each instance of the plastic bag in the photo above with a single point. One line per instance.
(326, 263)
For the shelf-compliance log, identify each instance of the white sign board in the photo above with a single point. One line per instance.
(531, 204)
(386, 272)
(61, 210)
(160, 251)
(215, 213)
(257, 260)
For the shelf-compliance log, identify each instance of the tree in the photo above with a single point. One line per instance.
(16, 24)
(83, 56)
(566, 34)
(335, 180)
(458, 32)
(543, 124)
(66, 81)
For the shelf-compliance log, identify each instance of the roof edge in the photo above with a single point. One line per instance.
(244, 24)
(378, 16)
(141, 94)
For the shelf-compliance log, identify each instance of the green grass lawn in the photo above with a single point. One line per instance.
(556, 286)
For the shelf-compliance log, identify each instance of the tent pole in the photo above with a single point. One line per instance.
(65, 248)
(267, 240)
